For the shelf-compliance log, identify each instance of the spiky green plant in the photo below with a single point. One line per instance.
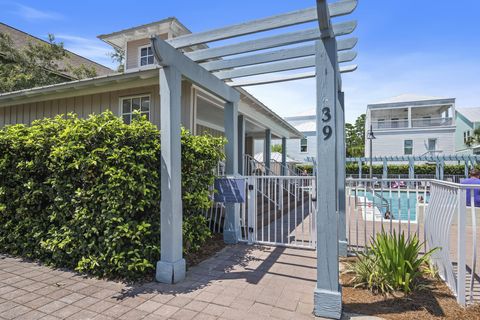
(391, 263)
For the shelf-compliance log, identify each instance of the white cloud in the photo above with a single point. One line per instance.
(31, 13)
(92, 49)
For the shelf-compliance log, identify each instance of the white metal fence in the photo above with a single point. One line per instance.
(280, 211)
(387, 204)
(451, 224)
(440, 213)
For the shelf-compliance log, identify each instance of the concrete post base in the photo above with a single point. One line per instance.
(230, 236)
(342, 248)
(170, 272)
(231, 231)
(327, 304)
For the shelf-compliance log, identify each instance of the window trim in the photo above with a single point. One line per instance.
(306, 145)
(144, 95)
(140, 56)
(435, 144)
(405, 147)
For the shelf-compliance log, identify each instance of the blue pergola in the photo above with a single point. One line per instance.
(468, 160)
(220, 70)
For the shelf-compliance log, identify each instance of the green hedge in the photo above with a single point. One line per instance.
(84, 194)
(448, 169)
(352, 168)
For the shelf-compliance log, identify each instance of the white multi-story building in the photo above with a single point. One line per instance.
(411, 125)
(298, 150)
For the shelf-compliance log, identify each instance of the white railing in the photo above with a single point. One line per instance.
(438, 212)
(384, 204)
(280, 211)
(416, 123)
(451, 225)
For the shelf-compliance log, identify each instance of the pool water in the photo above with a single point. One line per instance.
(402, 204)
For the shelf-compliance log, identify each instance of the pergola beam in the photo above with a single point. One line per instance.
(166, 55)
(339, 29)
(284, 78)
(305, 62)
(283, 20)
(277, 55)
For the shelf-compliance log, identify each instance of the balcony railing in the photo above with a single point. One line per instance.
(416, 123)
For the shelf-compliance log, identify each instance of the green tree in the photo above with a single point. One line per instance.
(276, 148)
(118, 56)
(355, 137)
(35, 64)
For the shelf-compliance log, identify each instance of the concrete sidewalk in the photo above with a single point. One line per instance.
(240, 282)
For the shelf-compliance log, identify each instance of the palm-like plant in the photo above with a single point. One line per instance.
(391, 263)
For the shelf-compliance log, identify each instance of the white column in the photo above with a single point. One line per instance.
(409, 117)
(268, 150)
(241, 145)
(327, 294)
(231, 230)
(340, 131)
(171, 267)
(284, 157)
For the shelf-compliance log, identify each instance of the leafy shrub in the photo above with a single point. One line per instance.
(85, 193)
(449, 169)
(305, 166)
(391, 263)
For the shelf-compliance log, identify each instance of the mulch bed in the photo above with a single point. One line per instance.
(212, 246)
(436, 301)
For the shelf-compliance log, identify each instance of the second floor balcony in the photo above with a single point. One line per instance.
(424, 122)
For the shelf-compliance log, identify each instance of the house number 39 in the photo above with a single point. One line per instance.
(326, 117)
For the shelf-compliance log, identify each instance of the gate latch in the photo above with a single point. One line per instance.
(250, 229)
(250, 187)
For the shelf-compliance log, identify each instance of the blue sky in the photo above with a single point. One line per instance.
(427, 47)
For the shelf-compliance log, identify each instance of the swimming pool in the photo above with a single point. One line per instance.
(402, 204)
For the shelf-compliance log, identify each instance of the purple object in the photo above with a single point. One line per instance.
(476, 192)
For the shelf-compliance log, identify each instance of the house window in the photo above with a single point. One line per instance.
(304, 145)
(395, 122)
(466, 136)
(130, 104)
(381, 123)
(408, 147)
(146, 55)
(432, 144)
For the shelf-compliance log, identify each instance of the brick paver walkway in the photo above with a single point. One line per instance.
(240, 282)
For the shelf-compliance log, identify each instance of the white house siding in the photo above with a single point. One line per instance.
(392, 143)
(293, 148)
(132, 51)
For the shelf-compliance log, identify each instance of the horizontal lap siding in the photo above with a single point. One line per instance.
(83, 106)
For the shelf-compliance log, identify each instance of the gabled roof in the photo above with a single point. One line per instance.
(20, 39)
(408, 97)
(472, 114)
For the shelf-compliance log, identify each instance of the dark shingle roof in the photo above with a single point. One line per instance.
(21, 39)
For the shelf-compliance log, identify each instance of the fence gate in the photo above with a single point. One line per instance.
(280, 210)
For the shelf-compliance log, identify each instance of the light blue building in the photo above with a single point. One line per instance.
(467, 121)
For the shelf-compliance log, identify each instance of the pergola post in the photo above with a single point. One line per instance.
(342, 222)
(241, 145)
(268, 149)
(284, 157)
(231, 230)
(411, 168)
(171, 267)
(327, 294)
(385, 169)
(359, 168)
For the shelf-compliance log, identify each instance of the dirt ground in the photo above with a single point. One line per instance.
(435, 302)
(212, 246)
